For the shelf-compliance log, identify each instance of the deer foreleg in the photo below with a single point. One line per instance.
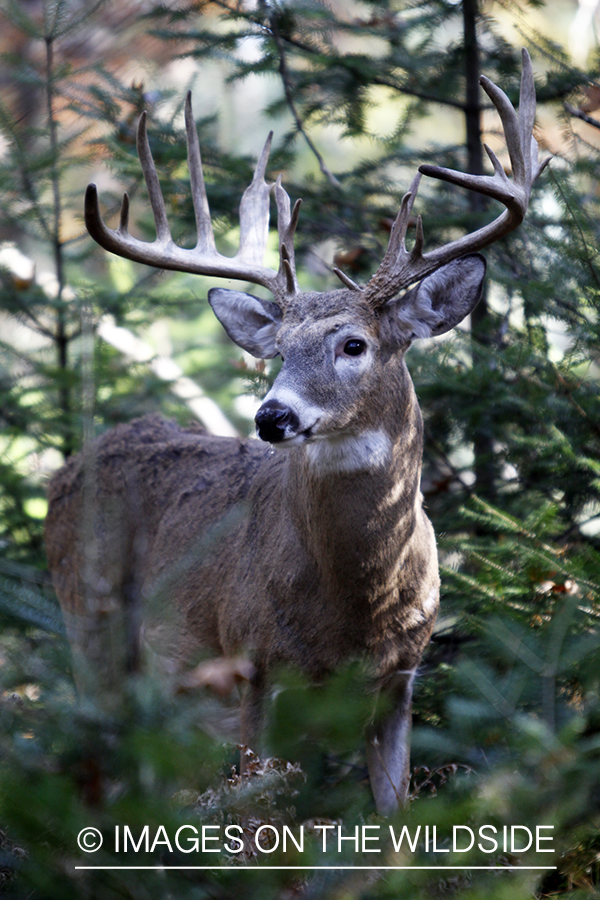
(388, 745)
(252, 713)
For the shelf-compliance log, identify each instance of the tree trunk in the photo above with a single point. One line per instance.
(482, 432)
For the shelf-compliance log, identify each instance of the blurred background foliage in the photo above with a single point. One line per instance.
(507, 708)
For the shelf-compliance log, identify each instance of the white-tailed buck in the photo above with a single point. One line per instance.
(171, 539)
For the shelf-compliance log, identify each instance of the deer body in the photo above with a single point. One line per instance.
(309, 553)
(258, 552)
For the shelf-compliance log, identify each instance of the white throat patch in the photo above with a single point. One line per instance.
(350, 453)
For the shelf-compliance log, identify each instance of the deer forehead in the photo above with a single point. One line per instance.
(313, 317)
(315, 339)
(316, 306)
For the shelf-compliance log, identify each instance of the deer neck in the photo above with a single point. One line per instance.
(355, 500)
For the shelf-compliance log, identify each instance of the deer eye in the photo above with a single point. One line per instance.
(354, 347)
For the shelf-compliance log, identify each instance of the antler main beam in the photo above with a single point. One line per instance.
(204, 259)
(400, 267)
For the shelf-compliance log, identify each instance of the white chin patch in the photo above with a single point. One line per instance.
(350, 453)
(431, 602)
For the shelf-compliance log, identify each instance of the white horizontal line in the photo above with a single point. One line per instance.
(257, 868)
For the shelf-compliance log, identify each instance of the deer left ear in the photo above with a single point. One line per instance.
(440, 301)
(251, 322)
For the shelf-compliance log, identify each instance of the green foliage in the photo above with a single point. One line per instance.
(507, 711)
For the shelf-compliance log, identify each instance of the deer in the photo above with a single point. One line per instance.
(309, 546)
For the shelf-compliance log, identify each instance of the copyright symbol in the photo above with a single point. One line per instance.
(89, 840)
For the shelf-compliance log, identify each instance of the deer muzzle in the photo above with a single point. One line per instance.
(276, 422)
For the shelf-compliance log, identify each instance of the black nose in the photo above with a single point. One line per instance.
(272, 419)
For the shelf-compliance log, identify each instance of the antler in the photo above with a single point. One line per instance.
(400, 267)
(204, 259)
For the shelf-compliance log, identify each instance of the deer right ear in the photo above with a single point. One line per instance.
(251, 322)
(439, 302)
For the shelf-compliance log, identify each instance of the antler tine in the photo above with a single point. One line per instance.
(287, 221)
(510, 126)
(398, 262)
(397, 242)
(526, 101)
(346, 280)
(206, 239)
(163, 232)
(124, 217)
(254, 212)
(106, 237)
(204, 259)
(399, 268)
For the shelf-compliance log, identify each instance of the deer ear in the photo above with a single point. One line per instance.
(440, 301)
(252, 323)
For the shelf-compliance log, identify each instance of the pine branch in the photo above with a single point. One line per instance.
(588, 253)
(287, 87)
(579, 114)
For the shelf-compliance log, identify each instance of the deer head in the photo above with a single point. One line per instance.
(336, 345)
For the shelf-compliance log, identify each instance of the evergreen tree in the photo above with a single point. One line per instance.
(507, 705)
